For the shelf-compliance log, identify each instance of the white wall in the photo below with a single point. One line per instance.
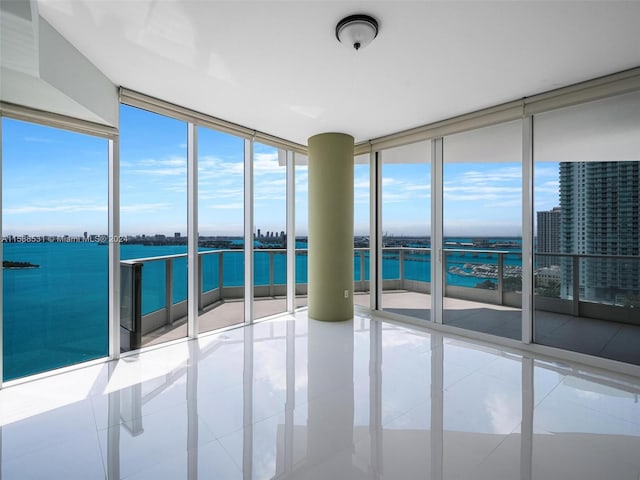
(42, 70)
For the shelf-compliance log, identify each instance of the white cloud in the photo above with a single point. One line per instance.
(266, 156)
(552, 186)
(144, 207)
(169, 162)
(270, 189)
(389, 181)
(168, 167)
(488, 192)
(70, 208)
(470, 197)
(214, 167)
(163, 172)
(280, 182)
(403, 196)
(226, 193)
(546, 171)
(488, 189)
(395, 190)
(505, 174)
(267, 163)
(276, 201)
(361, 194)
(226, 206)
(41, 140)
(505, 202)
(176, 188)
(417, 187)
(302, 176)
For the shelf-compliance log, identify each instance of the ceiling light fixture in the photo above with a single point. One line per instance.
(357, 31)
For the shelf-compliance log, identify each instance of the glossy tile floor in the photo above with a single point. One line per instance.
(300, 399)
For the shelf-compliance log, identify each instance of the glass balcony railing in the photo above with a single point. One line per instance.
(154, 289)
(605, 287)
(487, 276)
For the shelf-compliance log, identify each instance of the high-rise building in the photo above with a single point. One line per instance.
(548, 236)
(600, 203)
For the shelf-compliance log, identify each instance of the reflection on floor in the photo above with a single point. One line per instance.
(293, 398)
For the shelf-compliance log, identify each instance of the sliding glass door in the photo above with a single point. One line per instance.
(153, 216)
(406, 230)
(361, 244)
(482, 210)
(587, 261)
(270, 231)
(220, 229)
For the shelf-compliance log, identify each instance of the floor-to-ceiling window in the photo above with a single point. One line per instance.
(220, 229)
(302, 227)
(587, 211)
(54, 255)
(482, 228)
(153, 216)
(270, 231)
(361, 229)
(406, 230)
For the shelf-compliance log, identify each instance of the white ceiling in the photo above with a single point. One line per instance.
(277, 67)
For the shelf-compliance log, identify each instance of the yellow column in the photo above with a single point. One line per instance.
(330, 286)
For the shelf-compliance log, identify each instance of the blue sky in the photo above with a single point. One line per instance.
(55, 182)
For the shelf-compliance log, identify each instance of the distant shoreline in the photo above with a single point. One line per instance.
(15, 265)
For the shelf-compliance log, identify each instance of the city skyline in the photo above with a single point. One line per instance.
(97, 237)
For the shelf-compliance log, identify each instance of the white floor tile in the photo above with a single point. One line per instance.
(293, 398)
(75, 459)
(72, 423)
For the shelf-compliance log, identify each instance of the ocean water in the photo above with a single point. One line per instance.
(56, 314)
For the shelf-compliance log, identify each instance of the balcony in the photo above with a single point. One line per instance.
(482, 290)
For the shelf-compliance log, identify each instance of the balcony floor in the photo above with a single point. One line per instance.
(608, 339)
(299, 399)
(613, 340)
(221, 315)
